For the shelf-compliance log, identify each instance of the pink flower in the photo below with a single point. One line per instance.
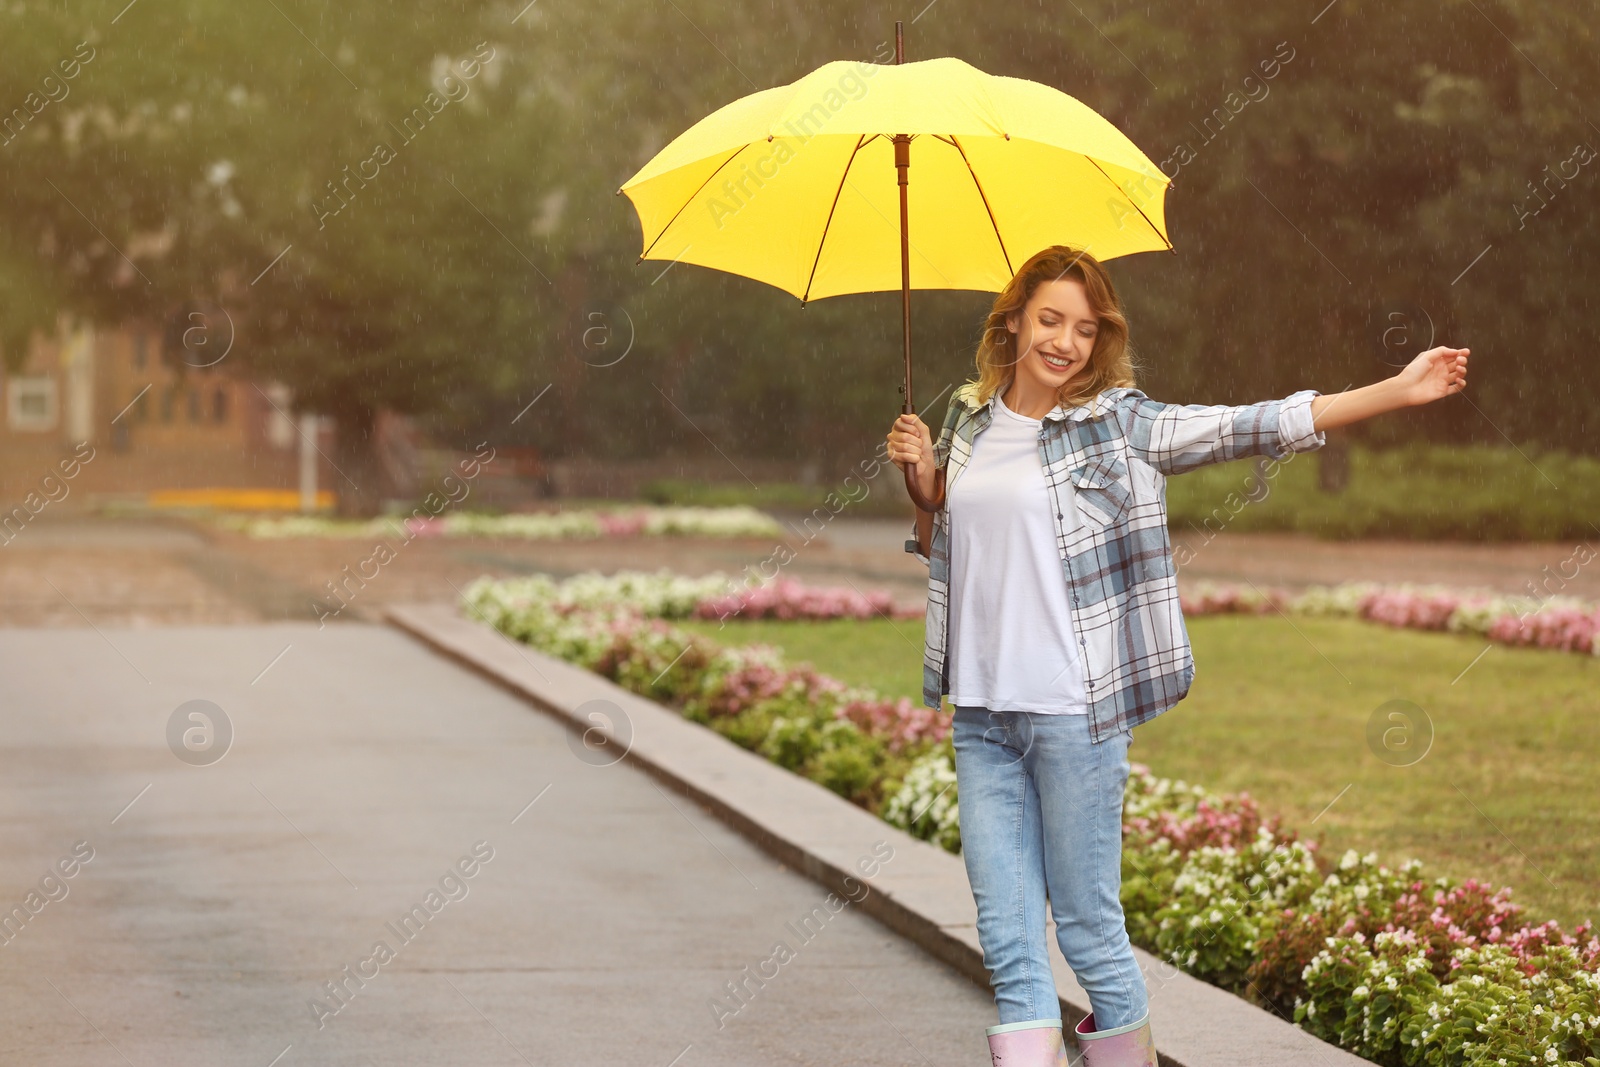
(1419, 611)
(622, 523)
(1224, 599)
(900, 722)
(787, 598)
(749, 685)
(425, 526)
(1233, 825)
(1561, 628)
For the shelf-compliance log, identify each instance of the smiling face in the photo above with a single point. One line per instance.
(1054, 334)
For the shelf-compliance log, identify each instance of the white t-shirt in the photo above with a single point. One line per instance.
(1013, 647)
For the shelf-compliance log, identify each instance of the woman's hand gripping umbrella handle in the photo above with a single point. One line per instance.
(911, 449)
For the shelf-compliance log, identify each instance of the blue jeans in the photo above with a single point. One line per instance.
(1041, 814)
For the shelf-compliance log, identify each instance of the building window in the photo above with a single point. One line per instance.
(31, 404)
(140, 351)
(194, 405)
(219, 405)
(275, 403)
(168, 401)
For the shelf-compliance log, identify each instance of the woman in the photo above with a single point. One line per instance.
(1053, 621)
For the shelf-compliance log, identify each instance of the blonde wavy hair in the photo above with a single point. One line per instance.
(1110, 361)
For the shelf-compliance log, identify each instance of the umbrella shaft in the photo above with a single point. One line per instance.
(902, 166)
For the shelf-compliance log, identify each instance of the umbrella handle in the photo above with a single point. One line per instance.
(926, 503)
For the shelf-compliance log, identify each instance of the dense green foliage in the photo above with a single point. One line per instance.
(490, 256)
(1419, 491)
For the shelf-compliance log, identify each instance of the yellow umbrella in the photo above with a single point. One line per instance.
(805, 186)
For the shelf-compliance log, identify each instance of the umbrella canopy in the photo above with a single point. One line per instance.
(796, 186)
(808, 186)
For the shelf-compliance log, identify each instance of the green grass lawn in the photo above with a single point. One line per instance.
(1509, 791)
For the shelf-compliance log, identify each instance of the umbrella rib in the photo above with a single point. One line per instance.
(1136, 207)
(1001, 241)
(843, 177)
(689, 201)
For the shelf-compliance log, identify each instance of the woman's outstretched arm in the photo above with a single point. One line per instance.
(1178, 438)
(1434, 375)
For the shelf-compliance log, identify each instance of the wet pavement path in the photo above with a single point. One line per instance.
(579, 913)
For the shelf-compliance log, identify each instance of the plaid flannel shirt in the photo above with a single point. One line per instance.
(1116, 451)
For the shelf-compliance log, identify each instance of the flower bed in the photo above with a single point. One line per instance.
(850, 739)
(664, 595)
(1556, 622)
(533, 526)
(1391, 965)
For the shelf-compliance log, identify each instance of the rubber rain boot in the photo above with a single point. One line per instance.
(1032, 1044)
(1125, 1046)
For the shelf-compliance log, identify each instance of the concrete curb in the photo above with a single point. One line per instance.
(922, 893)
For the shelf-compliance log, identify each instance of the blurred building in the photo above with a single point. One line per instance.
(152, 420)
(149, 426)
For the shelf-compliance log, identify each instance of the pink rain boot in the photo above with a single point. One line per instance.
(1126, 1046)
(1032, 1044)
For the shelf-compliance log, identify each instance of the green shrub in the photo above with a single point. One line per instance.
(792, 741)
(847, 763)
(748, 728)
(1417, 492)
(1380, 999)
(925, 804)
